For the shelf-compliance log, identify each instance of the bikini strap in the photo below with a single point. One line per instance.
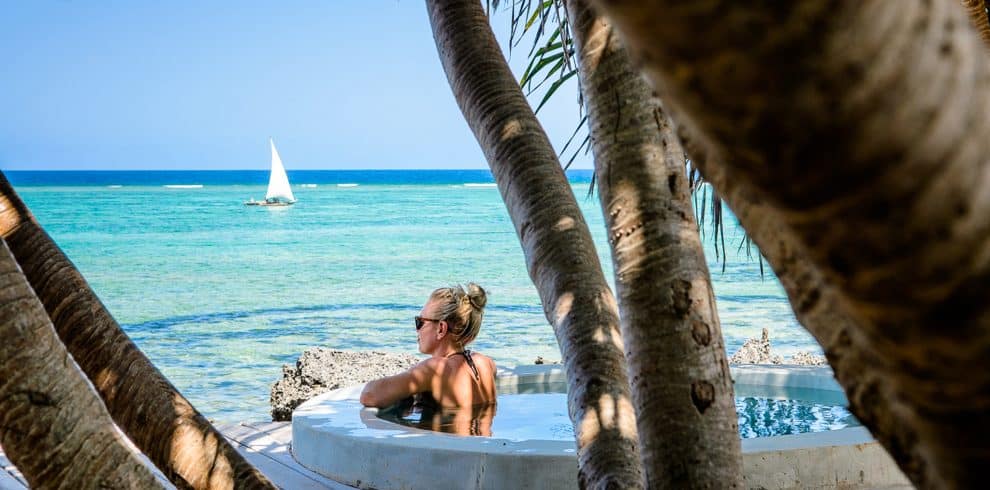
(470, 362)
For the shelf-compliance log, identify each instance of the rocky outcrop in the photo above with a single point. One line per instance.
(808, 359)
(756, 351)
(759, 351)
(319, 370)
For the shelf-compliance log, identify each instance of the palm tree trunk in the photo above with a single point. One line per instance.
(817, 307)
(977, 11)
(52, 424)
(883, 165)
(560, 254)
(682, 391)
(160, 421)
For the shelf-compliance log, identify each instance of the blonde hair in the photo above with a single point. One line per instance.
(462, 310)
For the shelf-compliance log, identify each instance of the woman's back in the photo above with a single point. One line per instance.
(464, 379)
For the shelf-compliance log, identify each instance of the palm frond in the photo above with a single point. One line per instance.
(591, 188)
(536, 65)
(577, 129)
(552, 63)
(553, 88)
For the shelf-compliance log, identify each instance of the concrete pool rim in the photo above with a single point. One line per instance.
(334, 436)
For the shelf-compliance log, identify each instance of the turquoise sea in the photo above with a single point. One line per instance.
(220, 295)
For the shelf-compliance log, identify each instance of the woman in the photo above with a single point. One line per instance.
(453, 376)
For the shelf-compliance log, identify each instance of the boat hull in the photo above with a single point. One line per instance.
(263, 203)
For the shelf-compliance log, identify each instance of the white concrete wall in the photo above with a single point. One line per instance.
(334, 436)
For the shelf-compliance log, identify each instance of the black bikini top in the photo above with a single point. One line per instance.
(470, 362)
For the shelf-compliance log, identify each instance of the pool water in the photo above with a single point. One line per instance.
(536, 415)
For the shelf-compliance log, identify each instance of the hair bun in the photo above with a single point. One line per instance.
(477, 296)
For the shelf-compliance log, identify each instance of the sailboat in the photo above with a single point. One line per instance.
(279, 193)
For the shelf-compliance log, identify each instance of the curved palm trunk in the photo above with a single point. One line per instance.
(560, 254)
(977, 11)
(52, 424)
(816, 306)
(885, 171)
(685, 408)
(160, 421)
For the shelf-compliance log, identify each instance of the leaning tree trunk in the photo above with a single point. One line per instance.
(160, 421)
(682, 390)
(877, 166)
(52, 424)
(816, 306)
(560, 254)
(977, 11)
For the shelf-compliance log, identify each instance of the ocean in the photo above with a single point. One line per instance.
(220, 295)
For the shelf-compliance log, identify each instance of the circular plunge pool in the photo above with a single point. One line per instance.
(539, 411)
(796, 434)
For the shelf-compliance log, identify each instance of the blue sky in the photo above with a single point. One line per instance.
(339, 84)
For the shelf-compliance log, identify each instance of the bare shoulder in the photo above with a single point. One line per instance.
(423, 373)
(429, 365)
(390, 389)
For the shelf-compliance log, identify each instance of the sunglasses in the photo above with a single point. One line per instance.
(420, 321)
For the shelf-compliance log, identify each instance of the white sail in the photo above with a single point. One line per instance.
(278, 182)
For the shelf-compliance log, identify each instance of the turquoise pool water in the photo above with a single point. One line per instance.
(761, 411)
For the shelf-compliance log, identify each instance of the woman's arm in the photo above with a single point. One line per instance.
(386, 391)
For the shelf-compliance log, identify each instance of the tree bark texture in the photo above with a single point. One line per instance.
(816, 306)
(862, 125)
(977, 11)
(52, 424)
(160, 421)
(556, 242)
(682, 390)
